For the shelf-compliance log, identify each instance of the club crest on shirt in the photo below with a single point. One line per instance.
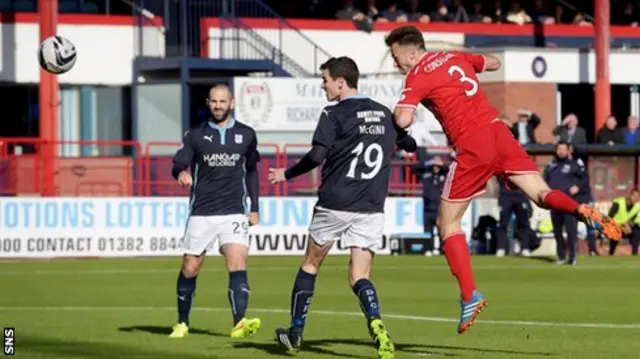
(238, 138)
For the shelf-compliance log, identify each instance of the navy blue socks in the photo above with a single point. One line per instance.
(301, 300)
(238, 294)
(366, 293)
(186, 289)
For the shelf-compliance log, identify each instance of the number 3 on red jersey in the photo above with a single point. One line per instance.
(457, 70)
(417, 86)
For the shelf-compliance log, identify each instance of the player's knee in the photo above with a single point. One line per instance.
(312, 264)
(359, 264)
(540, 198)
(190, 268)
(236, 262)
(235, 256)
(356, 273)
(448, 228)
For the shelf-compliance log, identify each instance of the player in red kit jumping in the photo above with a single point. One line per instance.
(446, 84)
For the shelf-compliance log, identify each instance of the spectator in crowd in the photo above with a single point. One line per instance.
(559, 16)
(540, 14)
(479, 15)
(498, 16)
(372, 11)
(626, 213)
(459, 12)
(441, 14)
(610, 134)
(349, 12)
(512, 201)
(393, 14)
(570, 133)
(581, 20)
(631, 135)
(415, 14)
(567, 175)
(433, 173)
(524, 128)
(584, 196)
(517, 15)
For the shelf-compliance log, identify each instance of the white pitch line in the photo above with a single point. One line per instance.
(328, 312)
(54, 272)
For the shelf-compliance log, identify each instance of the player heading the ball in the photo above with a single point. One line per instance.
(446, 83)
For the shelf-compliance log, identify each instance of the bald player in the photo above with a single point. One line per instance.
(218, 161)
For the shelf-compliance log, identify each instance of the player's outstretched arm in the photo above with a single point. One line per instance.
(480, 62)
(252, 179)
(308, 162)
(183, 159)
(492, 63)
(404, 115)
(323, 139)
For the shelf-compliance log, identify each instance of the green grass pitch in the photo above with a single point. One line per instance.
(124, 308)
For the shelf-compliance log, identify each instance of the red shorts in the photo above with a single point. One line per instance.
(481, 154)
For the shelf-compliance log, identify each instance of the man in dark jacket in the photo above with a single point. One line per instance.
(433, 173)
(567, 175)
(513, 202)
(610, 134)
(584, 196)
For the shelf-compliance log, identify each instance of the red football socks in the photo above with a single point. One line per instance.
(558, 201)
(456, 250)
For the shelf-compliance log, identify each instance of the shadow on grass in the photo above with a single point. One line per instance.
(151, 329)
(321, 346)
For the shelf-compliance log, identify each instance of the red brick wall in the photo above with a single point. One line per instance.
(537, 97)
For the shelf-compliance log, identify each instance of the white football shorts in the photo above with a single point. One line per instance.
(362, 230)
(203, 232)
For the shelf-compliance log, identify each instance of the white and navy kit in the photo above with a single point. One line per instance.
(360, 137)
(223, 162)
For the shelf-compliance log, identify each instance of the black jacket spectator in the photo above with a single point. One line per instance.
(610, 134)
(611, 137)
(564, 173)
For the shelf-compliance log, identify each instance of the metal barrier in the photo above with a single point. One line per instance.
(112, 170)
(124, 168)
(158, 180)
(403, 179)
(270, 157)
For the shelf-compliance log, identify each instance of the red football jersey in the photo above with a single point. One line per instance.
(446, 84)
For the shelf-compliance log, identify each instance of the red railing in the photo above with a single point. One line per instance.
(89, 168)
(126, 168)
